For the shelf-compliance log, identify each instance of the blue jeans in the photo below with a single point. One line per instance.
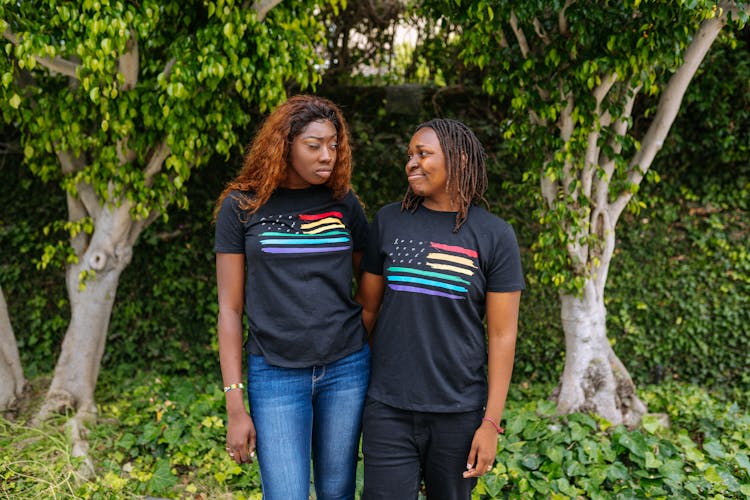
(299, 411)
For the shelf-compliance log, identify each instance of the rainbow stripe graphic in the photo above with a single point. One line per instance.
(431, 269)
(306, 234)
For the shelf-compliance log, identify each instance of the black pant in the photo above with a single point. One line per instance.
(402, 448)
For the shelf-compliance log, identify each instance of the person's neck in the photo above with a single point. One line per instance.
(439, 205)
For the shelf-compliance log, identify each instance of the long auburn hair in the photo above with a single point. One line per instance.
(465, 165)
(267, 158)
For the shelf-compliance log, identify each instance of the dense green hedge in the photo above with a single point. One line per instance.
(679, 301)
(677, 295)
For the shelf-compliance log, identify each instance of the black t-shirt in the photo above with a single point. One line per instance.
(429, 351)
(298, 287)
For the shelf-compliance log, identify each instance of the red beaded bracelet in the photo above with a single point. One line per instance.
(499, 429)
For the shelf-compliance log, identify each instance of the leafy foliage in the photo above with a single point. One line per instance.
(571, 92)
(160, 436)
(544, 456)
(713, 128)
(36, 301)
(202, 68)
(179, 442)
(680, 312)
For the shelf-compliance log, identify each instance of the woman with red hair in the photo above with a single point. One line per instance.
(289, 233)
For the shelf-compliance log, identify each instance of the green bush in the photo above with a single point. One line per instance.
(37, 302)
(542, 455)
(679, 294)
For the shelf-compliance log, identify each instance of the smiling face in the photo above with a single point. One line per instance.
(427, 172)
(312, 156)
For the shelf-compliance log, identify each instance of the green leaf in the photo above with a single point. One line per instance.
(714, 449)
(574, 468)
(531, 462)
(555, 453)
(652, 462)
(652, 423)
(163, 478)
(15, 101)
(712, 475)
(634, 442)
(743, 461)
(617, 472)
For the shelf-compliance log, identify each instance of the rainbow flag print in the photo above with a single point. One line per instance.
(304, 234)
(431, 268)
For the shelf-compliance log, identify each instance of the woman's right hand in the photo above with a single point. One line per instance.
(241, 438)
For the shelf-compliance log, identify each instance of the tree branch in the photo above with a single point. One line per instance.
(124, 153)
(619, 128)
(128, 63)
(168, 68)
(85, 204)
(591, 158)
(262, 7)
(86, 194)
(566, 126)
(601, 90)
(141, 224)
(522, 42)
(156, 161)
(503, 41)
(56, 65)
(562, 20)
(541, 32)
(605, 229)
(669, 105)
(549, 187)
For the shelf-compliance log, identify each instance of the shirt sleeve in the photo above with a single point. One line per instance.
(358, 224)
(230, 231)
(505, 273)
(372, 261)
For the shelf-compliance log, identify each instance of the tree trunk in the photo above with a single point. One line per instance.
(91, 302)
(594, 380)
(12, 380)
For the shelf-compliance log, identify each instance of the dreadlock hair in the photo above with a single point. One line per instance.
(266, 161)
(465, 164)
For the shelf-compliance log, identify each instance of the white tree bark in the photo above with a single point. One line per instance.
(594, 380)
(107, 255)
(12, 380)
(263, 6)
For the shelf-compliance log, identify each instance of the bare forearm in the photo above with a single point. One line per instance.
(230, 357)
(502, 329)
(370, 296)
(501, 353)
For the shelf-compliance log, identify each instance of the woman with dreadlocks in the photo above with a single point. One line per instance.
(434, 264)
(289, 231)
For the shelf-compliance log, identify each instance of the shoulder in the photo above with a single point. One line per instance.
(351, 198)
(491, 229)
(389, 210)
(235, 197)
(232, 204)
(486, 219)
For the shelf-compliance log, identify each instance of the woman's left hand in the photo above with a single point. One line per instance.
(483, 452)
